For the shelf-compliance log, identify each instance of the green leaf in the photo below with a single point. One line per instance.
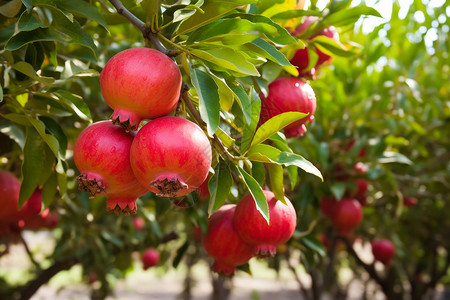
(276, 181)
(270, 52)
(212, 10)
(275, 124)
(219, 186)
(75, 103)
(249, 129)
(83, 8)
(259, 172)
(37, 164)
(29, 71)
(330, 46)
(150, 7)
(112, 238)
(53, 127)
(180, 253)
(28, 22)
(226, 140)
(53, 4)
(209, 99)
(227, 58)
(14, 133)
(11, 9)
(225, 93)
(265, 4)
(269, 154)
(50, 189)
(314, 245)
(257, 194)
(243, 100)
(224, 27)
(338, 190)
(349, 16)
(291, 14)
(394, 157)
(282, 36)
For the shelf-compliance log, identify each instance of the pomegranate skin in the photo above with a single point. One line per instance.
(150, 258)
(45, 220)
(383, 250)
(9, 191)
(347, 215)
(288, 94)
(331, 33)
(327, 206)
(253, 228)
(409, 201)
(140, 83)
(223, 243)
(102, 155)
(171, 155)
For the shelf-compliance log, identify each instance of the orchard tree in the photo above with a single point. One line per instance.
(214, 106)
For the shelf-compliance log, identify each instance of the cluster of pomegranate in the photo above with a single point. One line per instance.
(345, 215)
(29, 216)
(238, 232)
(169, 156)
(287, 94)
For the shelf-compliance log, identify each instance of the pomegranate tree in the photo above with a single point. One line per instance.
(140, 83)
(171, 155)
(224, 244)
(253, 228)
(383, 250)
(288, 94)
(150, 258)
(102, 155)
(347, 215)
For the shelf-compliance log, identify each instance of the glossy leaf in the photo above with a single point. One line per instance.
(219, 186)
(276, 176)
(350, 15)
(255, 190)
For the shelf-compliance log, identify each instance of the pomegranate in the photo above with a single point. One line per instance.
(301, 56)
(347, 215)
(102, 155)
(289, 94)
(361, 191)
(409, 201)
(140, 83)
(253, 228)
(138, 223)
(150, 258)
(362, 151)
(10, 189)
(46, 220)
(224, 244)
(203, 191)
(171, 155)
(360, 168)
(383, 250)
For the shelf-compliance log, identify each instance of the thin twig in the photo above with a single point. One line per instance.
(30, 255)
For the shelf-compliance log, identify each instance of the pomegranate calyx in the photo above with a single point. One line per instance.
(223, 269)
(128, 120)
(91, 183)
(265, 251)
(168, 187)
(126, 206)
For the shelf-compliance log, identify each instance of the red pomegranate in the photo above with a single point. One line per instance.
(203, 191)
(347, 215)
(138, 223)
(9, 191)
(223, 243)
(383, 250)
(253, 228)
(289, 94)
(140, 83)
(150, 258)
(102, 155)
(45, 220)
(360, 168)
(171, 155)
(301, 56)
(409, 201)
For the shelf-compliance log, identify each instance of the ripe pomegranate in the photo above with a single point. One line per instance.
(383, 250)
(347, 215)
(150, 258)
(102, 155)
(327, 206)
(138, 223)
(409, 201)
(140, 83)
(301, 56)
(289, 94)
(223, 243)
(171, 155)
(46, 220)
(9, 191)
(253, 228)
